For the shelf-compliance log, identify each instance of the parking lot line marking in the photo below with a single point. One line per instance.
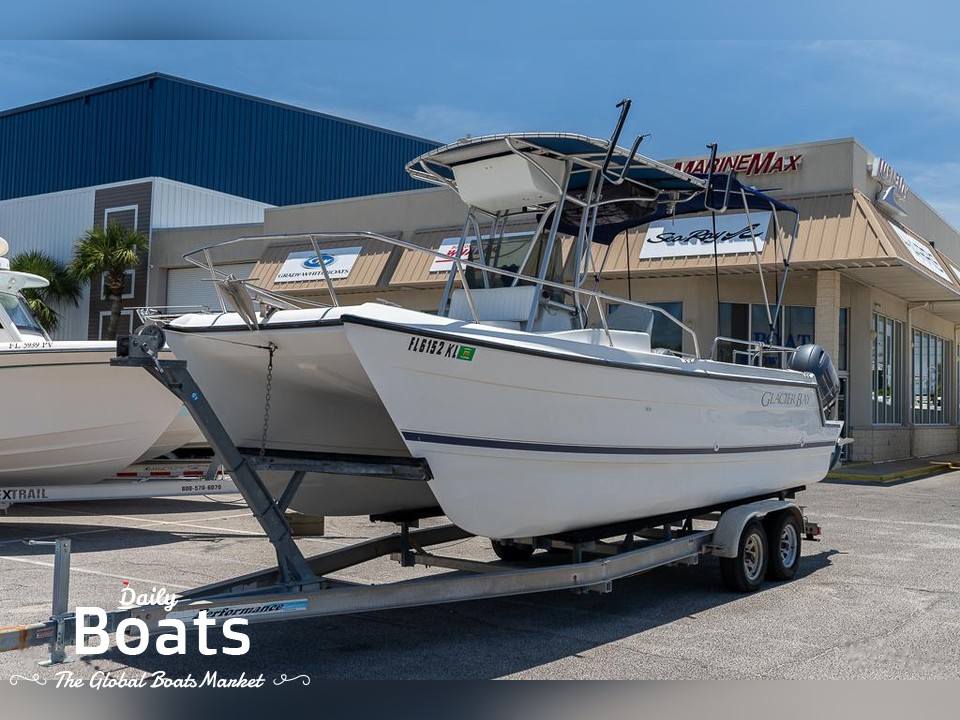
(75, 569)
(887, 521)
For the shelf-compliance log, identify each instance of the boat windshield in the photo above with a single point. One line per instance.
(514, 252)
(19, 312)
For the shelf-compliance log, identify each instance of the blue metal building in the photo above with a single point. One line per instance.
(162, 126)
(159, 152)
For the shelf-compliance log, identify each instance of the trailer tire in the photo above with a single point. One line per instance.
(784, 541)
(746, 571)
(510, 552)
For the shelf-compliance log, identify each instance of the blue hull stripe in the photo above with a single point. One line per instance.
(598, 449)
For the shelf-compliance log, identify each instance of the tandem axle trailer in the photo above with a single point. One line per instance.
(755, 538)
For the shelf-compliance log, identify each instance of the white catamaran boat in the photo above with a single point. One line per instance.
(537, 402)
(68, 416)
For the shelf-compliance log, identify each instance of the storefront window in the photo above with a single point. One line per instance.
(928, 378)
(750, 322)
(887, 364)
(794, 329)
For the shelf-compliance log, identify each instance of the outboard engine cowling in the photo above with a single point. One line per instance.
(814, 359)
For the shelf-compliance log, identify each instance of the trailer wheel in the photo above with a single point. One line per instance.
(510, 552)
(745, 572)
(784, 541)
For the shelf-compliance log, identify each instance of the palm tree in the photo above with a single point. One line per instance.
(110, 252)
(63, 287)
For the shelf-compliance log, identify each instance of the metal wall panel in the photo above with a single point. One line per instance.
(273, 153)
(84, 140)
(51, 224)
(177, 205)
(160, 126)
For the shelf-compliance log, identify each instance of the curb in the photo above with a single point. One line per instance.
(891, 478)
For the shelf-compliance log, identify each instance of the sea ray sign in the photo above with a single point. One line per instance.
(688, 237)
(305, 265)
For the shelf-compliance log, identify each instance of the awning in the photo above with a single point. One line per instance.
(842, 231)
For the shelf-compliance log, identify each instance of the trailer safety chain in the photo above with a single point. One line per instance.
(271, 348)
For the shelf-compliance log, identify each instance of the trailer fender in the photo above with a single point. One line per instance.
(726, 536)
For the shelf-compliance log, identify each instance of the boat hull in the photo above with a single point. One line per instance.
(321, 401)
(72, 418)
(529, 437)
(180, 433)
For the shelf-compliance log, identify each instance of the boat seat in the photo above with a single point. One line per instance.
(631, 317)
(495, 305)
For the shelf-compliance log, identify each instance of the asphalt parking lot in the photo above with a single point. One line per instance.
(877, 597)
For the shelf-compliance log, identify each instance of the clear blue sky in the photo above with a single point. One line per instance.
(744, 74)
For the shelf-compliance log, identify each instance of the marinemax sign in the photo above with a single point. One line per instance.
(688, 237)
(758, 163)
(881, 171)
(305, 265)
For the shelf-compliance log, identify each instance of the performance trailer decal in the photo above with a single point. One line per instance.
(441, 348)
(244, 611)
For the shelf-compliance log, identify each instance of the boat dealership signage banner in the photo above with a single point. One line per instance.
(449, 248)
(921, 253)
(689, 237)
(305, 265)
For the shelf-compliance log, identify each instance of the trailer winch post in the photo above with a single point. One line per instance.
(61, 598)
(142, 350)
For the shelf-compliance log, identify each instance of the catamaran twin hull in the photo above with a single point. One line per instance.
(531, 435)
(69, 417)
(524, 434)
(321, 401)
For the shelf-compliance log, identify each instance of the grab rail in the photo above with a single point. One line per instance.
(755, 350)
(459, 265)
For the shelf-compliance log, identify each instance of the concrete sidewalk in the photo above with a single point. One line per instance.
(894, 471)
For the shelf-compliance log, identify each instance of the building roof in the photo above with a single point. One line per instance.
(158, 125)
(835, 231)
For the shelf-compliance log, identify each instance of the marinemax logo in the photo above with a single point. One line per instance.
(791, 399)
(758, 163)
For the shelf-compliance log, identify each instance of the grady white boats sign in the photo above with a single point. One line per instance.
(305, 265)
(687, 237)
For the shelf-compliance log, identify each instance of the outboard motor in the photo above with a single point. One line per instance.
(814, 359)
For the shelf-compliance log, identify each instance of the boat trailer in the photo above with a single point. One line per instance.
(150, 479)
(740, 533)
